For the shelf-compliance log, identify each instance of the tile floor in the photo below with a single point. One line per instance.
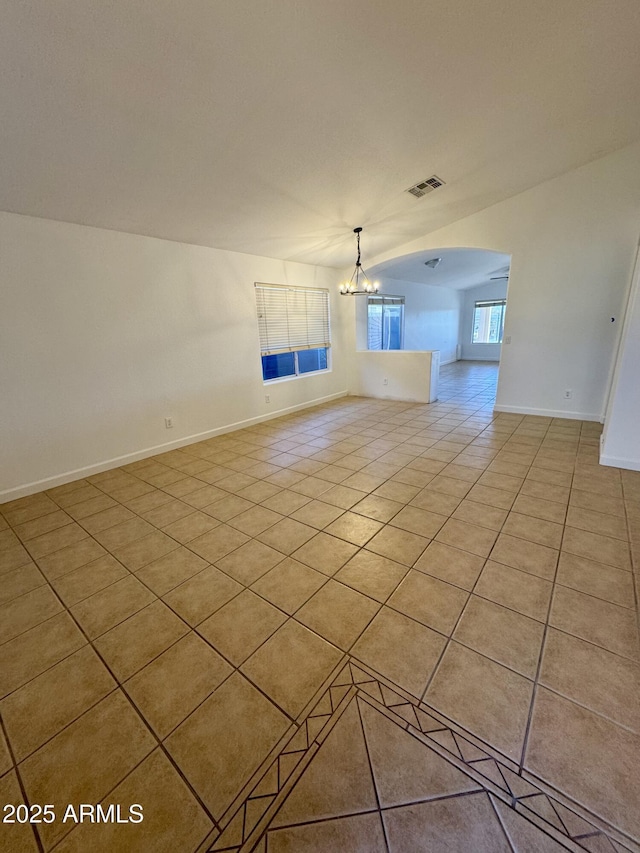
(366, 626)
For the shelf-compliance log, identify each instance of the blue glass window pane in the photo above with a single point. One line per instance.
(276, 366)
(312, 359)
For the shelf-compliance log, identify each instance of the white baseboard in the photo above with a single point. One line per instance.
(97, 468)
(617, 462)
(548, 413)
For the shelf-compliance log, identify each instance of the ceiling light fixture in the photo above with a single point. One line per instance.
(359, 282)
(432, 263)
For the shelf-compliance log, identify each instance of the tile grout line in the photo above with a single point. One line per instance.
(536, 680)
(23, 790)
(374, 781)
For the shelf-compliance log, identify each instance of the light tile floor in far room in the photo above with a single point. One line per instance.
(366, 626)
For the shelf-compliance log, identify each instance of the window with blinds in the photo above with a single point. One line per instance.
(385, 322)
(294, 328)
(488, 321)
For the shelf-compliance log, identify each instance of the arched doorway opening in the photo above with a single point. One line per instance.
(453, 300)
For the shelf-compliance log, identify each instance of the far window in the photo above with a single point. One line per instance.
(488, 322)
(295, 334)
(385, 322)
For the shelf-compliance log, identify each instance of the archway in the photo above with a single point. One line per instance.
(455, 303)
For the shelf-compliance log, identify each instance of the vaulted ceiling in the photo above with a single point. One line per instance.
(275, 126)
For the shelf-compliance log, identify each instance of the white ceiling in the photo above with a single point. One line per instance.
(459, 269)
(276, 126)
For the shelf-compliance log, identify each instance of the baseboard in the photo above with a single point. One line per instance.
(79, 473)
(548, 413)
(617, 462)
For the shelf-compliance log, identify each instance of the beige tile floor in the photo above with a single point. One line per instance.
(366, 626)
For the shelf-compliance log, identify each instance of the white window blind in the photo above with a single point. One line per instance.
(292, 318)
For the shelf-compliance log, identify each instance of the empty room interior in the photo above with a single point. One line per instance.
(320, 426)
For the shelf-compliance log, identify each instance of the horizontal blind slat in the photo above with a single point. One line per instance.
(292, 319)
(386, 300)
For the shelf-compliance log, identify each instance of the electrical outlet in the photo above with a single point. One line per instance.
(385, 381)
(267, 398)
(168, 423)
(568, 394)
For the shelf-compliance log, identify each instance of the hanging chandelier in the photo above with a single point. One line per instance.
(359, 282)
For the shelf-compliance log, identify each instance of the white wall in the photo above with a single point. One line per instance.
(572, 242)
(478, 352)
(396, 375)
(431, 316)
(621, 437)
(104, 334)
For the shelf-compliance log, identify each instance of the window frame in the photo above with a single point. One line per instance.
(297, 374)
(293, 331)
(489, 303)
(385, 299)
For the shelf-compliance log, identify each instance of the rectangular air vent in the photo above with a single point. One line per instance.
(427, 186)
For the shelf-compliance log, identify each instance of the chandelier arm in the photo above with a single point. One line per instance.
(365, 274)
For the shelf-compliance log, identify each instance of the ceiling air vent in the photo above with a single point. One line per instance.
(426, 186)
